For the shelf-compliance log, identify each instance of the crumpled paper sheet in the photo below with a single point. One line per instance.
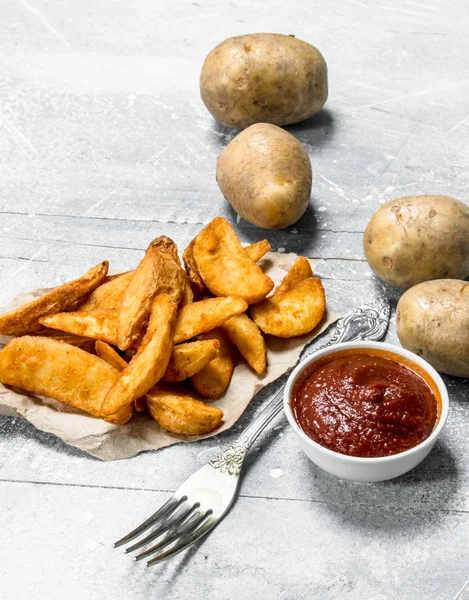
(111, 442)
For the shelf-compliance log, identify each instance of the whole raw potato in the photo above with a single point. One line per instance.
(418, 238)
(263, 77)
(433, 321)
(265, 174)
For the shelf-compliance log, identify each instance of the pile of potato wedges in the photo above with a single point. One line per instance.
(162, 338)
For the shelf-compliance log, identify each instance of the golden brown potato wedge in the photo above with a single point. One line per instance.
(213, 380)
(199, 317)
(292, 313)
(158, 273)
(191, 268)
(187, 294)
(57, 370)
(257, 250)
(99, 324)
(301, 269)
(188, 359)
(178, 412)
(85, 343)
(109, 294)
(26, 318)
(109, 355)
(246, 336)
(225, 266)
(149, 364)
(109, 278)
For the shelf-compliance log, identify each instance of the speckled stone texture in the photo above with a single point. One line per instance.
(105, 144)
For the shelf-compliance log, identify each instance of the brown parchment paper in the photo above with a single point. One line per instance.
(111, 442)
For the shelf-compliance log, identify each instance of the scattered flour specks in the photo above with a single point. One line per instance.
(322, 209)
(275, 473)
(294, 230)
(90, 545)
(280, 250)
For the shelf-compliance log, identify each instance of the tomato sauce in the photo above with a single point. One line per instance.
(366, 402)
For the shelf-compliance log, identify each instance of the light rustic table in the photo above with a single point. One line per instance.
(104, 145)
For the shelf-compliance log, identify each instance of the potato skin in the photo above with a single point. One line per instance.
(265, 174)
(433, 321)
(418, 238)
(263, 78)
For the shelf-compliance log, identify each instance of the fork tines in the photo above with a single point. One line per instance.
(180, 522)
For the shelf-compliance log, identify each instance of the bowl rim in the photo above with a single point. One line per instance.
(364, 460)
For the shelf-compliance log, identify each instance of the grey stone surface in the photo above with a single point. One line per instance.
(105, 144)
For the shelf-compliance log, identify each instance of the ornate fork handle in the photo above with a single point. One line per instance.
(367, 322)
(231, 459)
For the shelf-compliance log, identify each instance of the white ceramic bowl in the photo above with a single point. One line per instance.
(358, 468)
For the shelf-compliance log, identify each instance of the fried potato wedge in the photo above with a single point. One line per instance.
(187, 294)
(57, 370)
(109, 278)
(213, 380)
(191, 268)
(292, 313)
(109, 355)
(99, 324)
(26, 318)
(109, 294)
(188, 359)
(178, 412)
(159, 272)
(149, 364)
(200, 317)
(85, 343)
(257, 250)
(300, 270)
(225, 266)
(246, 336)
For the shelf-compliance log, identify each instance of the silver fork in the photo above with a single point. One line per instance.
(206, 496)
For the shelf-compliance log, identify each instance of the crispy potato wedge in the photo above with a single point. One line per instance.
(109, 355)
(57, 370)
(109, 294)
(191, 268)
(109, 278)
(213, 380)
(178, 412)
(292, 313)
(246, 336)
(85, 343)
(149, 364)
(26, 318)
(159, 272)
(225, 266)
(187, 294)
(300, 270)
(99, 324)
(257, 250)
(188, 359)
(199, 317)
